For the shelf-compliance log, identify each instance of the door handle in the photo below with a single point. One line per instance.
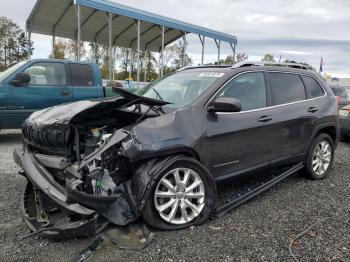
(312, 109)
(65, 93)
(265, 118)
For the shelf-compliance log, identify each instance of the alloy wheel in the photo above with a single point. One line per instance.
(321, 158)
(179, 196)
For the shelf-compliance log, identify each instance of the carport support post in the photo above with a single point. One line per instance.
(138, 52)
(79, 33)
(202, 38)
(162, 58)
(218, 44)
(53, 45)
(145, 57)
(29, 31)
(233, 52)
(95, 50)
(110, 53)
(184, 51)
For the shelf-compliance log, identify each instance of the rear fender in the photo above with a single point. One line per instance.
(319, 129)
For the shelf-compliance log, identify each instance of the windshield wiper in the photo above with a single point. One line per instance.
(157, 93)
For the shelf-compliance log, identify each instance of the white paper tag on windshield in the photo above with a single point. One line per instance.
(211, 74)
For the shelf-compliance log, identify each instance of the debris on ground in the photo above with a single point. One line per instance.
(135, 236)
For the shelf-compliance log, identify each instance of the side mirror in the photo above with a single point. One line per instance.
(225, 104)
(21, 79)
(115, 85)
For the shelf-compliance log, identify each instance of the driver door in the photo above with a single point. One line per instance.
(242, 141)
(47, 87)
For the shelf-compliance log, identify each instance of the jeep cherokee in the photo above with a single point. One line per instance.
(159, 153)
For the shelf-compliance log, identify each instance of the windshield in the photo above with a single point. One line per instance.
(182, 88)
(9, 71)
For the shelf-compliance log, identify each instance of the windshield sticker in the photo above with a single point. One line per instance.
(211, 74)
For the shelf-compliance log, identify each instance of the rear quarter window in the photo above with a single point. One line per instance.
(81, 75)
(286, 88)
(313, 87)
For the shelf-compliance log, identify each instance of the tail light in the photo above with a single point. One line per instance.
(338, 100)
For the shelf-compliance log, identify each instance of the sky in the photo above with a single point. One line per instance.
(300, 30)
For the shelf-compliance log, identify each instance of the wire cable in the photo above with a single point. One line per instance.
(307, 230)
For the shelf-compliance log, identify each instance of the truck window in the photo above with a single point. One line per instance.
(47, 74)
(81, 75)
(286, 88)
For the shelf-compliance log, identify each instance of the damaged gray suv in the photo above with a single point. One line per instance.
(159, 153)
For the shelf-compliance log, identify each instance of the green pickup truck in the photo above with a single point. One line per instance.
(40, 83)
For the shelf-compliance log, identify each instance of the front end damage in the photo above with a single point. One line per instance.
(80, 160)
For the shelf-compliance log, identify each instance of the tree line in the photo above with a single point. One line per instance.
(14, 44)
(174, 57)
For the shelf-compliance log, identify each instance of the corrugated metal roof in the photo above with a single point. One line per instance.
(59, 17)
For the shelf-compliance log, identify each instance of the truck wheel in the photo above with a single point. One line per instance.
(183, 195)
(320, 157)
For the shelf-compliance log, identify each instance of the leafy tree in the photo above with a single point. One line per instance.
(67, 49)
(59, 50)
(72, 50)
(148, 67)
(14, 45)
(229, 61)
(268, 58)
(97, 52)
(181, 58)
(241, 57)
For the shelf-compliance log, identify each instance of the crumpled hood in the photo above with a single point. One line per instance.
(51, 129)
(66, 112)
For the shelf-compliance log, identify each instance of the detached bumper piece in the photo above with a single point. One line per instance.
(58, 213)
(45, 218)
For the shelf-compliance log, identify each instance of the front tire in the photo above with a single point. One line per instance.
(183, 195)
(320, 157)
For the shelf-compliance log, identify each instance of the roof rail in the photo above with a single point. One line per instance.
(204, 66)
(268, 63)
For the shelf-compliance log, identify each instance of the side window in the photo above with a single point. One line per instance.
(50, 74)
(81, 75)
(249, 88)
(314, 88)
(286, 88)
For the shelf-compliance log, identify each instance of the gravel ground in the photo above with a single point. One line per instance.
(260, 230)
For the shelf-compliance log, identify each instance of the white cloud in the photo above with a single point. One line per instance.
(300, 30)
(294, 52)
(320, 13)
(260, 18)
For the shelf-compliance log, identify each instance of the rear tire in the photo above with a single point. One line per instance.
(320, 157)
(183, 211)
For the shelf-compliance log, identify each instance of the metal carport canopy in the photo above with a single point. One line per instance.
(113, 24)
(59, 18)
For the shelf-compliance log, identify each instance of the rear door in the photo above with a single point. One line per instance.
(294, 116)
(82, 82)
(242, 141)
(47, 87)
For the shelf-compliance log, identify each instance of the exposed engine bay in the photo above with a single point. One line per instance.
(84, 169)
